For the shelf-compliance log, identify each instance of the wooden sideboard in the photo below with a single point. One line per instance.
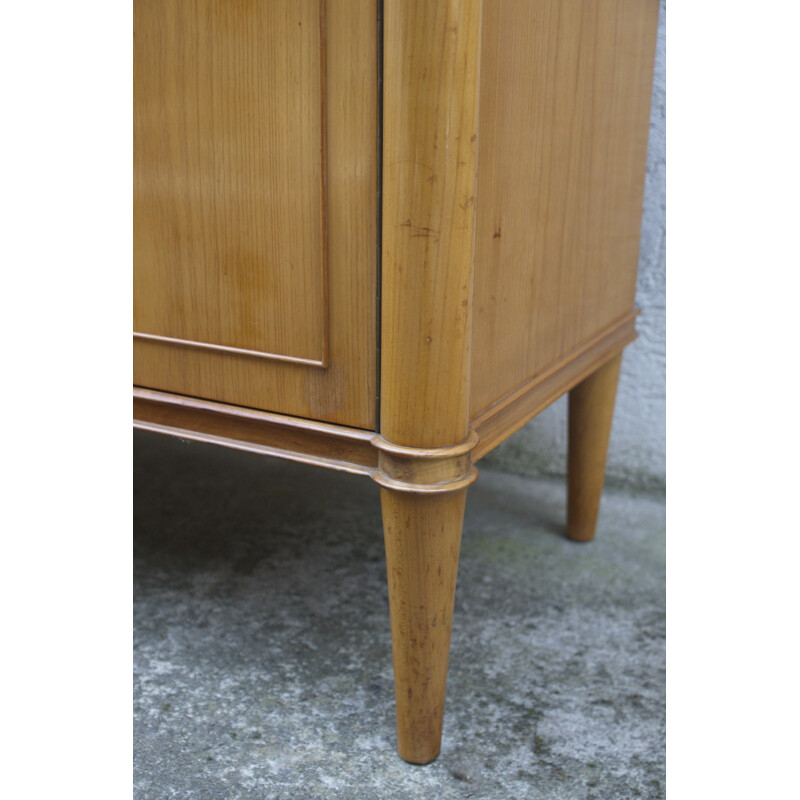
(380, 238)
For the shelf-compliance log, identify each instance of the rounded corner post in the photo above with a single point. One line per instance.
(430, 141)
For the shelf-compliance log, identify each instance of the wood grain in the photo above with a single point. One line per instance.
(430, 79)
(322, 444)
(229, 171)
(429, 167)
(423, 537)
(565, 101)
(425, 470)
(496, 423)
(256, 175)
(591, 411)
(274, 106)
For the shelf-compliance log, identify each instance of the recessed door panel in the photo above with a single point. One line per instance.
(229, 176)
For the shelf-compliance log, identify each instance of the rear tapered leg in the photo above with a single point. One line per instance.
(423, 536)
(591, 409)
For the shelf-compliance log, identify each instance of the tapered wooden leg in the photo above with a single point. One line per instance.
(591, 409)
(423, 537)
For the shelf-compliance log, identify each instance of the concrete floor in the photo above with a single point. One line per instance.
(262, 655)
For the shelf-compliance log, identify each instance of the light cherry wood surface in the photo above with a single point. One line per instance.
(382, 245)
(565, 106)
(513, 410)
(423, 537)
(591, 409)
(430, 95)
(294, 438)
(255, 209)
(230, 202)
(430, 102)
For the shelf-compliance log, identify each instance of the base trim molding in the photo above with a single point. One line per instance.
(293, 438)
(497, 422)
(425, 470)
(410, 469)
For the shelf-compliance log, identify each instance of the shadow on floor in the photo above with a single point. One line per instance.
(262, 656)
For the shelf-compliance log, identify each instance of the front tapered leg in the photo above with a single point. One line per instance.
(591, 409)
(423, 537)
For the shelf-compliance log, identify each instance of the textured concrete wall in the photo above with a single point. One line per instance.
(636, 455)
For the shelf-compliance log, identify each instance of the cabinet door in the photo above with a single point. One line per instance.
(255, 170)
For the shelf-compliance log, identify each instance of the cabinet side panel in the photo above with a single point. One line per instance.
(565, 102)
(344, 390)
